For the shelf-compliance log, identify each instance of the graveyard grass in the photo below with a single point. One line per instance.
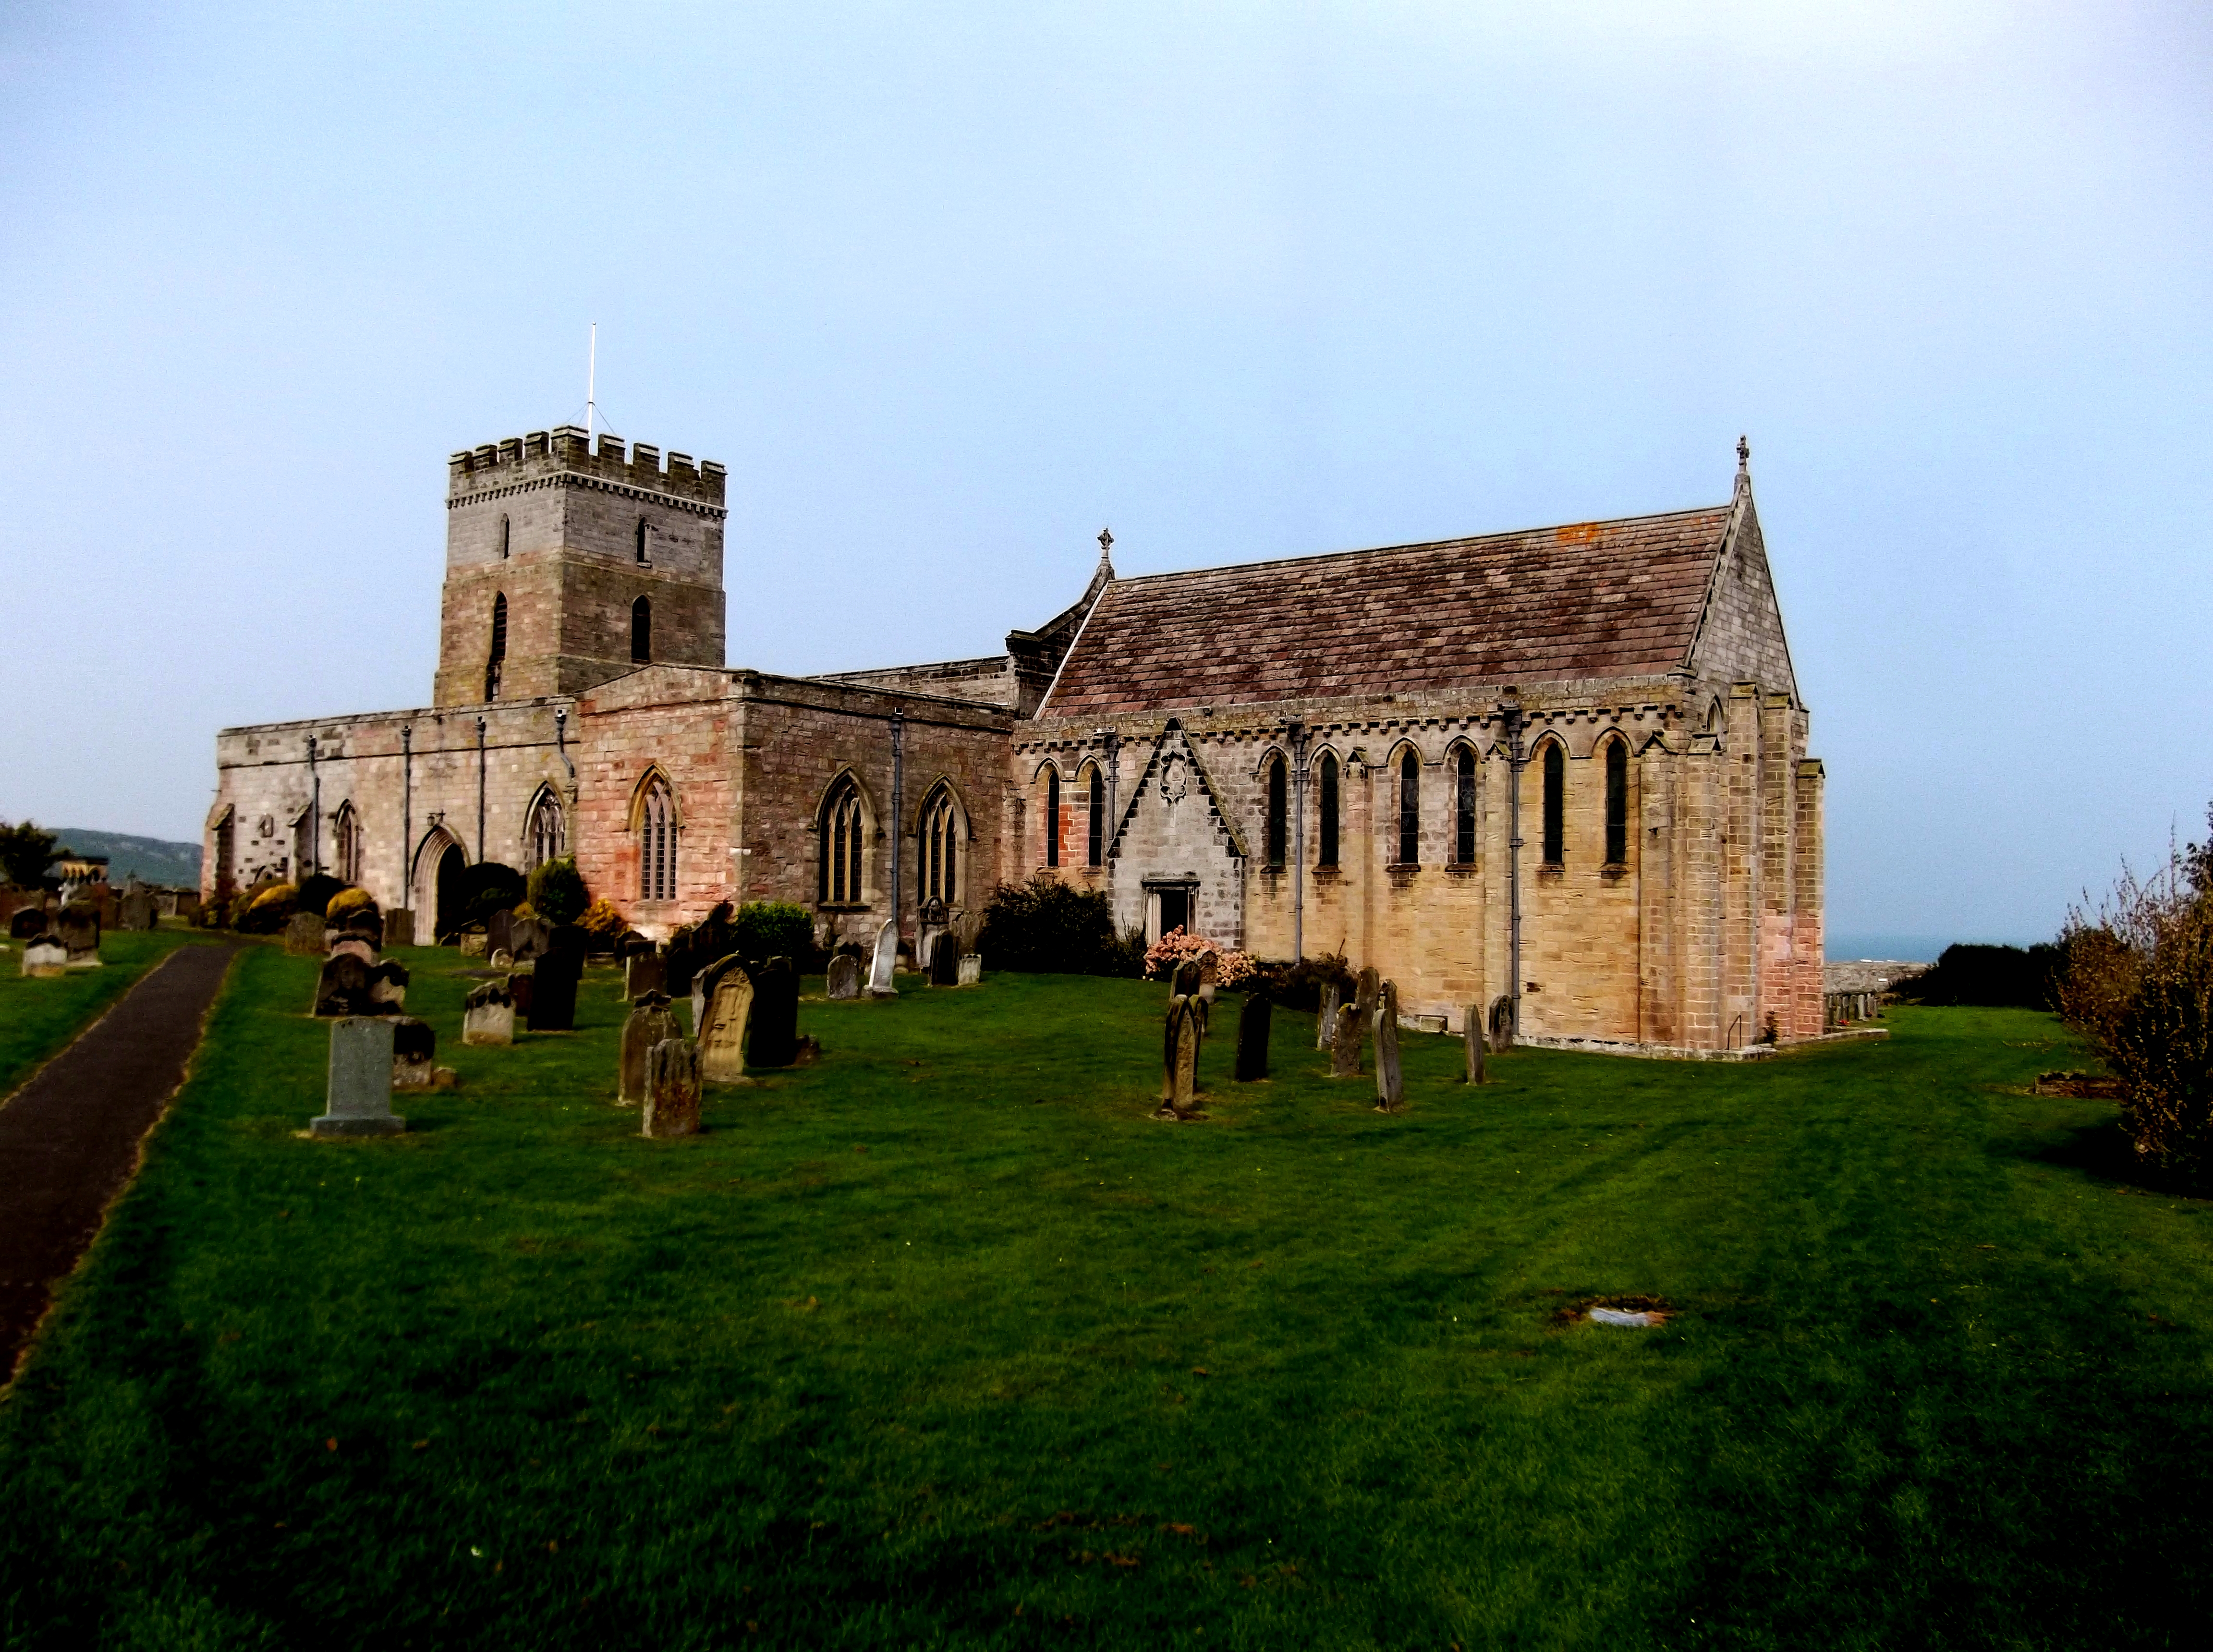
(943, 1342)
(37, 1018)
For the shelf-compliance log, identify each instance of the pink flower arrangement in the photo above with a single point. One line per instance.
(1179, 947)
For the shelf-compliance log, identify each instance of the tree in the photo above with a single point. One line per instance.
(25, 853)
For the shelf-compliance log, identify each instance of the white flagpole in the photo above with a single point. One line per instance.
(591, 381)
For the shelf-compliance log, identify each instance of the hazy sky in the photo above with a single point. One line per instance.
(948, 288)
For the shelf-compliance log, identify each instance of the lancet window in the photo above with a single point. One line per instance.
(656, 845)
(842, 838)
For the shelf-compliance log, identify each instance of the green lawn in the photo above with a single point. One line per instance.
(943, 1342)
(38, 1017)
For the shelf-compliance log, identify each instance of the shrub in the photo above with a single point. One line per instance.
(1990, 977)
(1299, 986)
(556, 891)
(489, 888)
(353, 899)
(773, 929)
(1046, 925)
(1179, 947)
(268, 910)
(1124, 955)
(25, 851)
(602, 921)
(316, 890)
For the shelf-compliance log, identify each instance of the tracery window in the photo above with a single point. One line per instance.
(657, 844)
(1052, 817)
(1409, 810)
(641, 632)
(1279, 811)
(1556, 803)
(1325, 850)
(841, 843)
(1464, 808)
(345, 844)
(497, 657)
(938, 845)
(546, 836)
(1616, 802)
(1095, 849)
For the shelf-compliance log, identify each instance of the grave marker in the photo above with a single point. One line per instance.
(44, 958)
(649, 1023)
(1180, 1062)
(845, 981)
(971, 968)
(358, 1099)
(488, 1015)
(400, 926)
(1252, 1026)
(774, 1039)
(1390, 1082)
(672, 1077)
(722, 1045)
(1345, 1041)
(1325, 1025)
(884, 962)
(78, 931)
(643, 973)
(1471, 1035)
(303, 935)
(553, 991)
(945, 960)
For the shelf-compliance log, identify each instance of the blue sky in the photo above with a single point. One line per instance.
(948, 288)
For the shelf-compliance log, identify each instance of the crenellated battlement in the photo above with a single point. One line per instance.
(567, 449)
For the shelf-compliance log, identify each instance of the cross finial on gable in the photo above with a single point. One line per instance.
(1743, 456)
(1105, 543)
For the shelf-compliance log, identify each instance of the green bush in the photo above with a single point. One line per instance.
(489, 888)
(351, 899)
(558, 893)
(1300, 985)
(1990, 977)
(316, 890)
(1048, 926)
(774, 929)
(25, 851)
(267, 911)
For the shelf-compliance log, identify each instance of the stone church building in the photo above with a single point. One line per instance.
(1565, 767)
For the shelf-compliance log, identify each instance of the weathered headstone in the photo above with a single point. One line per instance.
(1180, 1061)
(1183, 980)
(553, 991)
(501, 958)
(28, 923)
(360, 923)
(945, 960)
(1472, 1032)
(643, 973)
(704, 981)
(519, 983)
(1253, 1027)
(135, 911)
(1366, 989)
(354, 944)
(473, 943)
(722, 1045)
(1210, 974)
(488, 1015)
(342, 988)
(357, 1101)
(1326, 1024)
(649, 1023)
(400, 926)
(78, 931)
(528, 938)
(44, 957)
(971, 968)
(885, 962)
(414, 1054)
(498, 932)
(388, 987)
(1345, 1041)
(1501, 1024)
(1390, 1081)
(672, 1077)
(845, 980)
(775, 1040)
(303, 935)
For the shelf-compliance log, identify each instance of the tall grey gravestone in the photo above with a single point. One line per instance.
(1252, 1026)
(1366, 989)
(358, 1101)
(945, 960)
(1472, 1032)
(885, 962)
(1344, 1042)
(137, 911)
(1180, 1061)
(1326, 1023)
(845, 980)
(643, 973)
(1390, 1082)
(672, 1089)
(400, 926)
(649, 1023)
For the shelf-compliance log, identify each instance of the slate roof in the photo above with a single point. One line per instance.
(1611, 599)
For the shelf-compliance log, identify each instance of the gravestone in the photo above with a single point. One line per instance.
(519, 983)
(1345, 1041)
(722, 1045)
(1253, 1027)
(1501, 1024)
(774, 1039)
(354, 945)
(1364, 993)
(414, 1056)
(1326, 1024)
(400, 926)
(44, 957)
(649, 1023)
(499, 929)
(28, 923)
(704, 981)
(971, 968)
(488, 1015)
(473, 943)
(672, 1089)
(388, 987)
(1179, 1042)
(342, 988)
(528, 939)
(1183, 980)
(643, 972)
(845, 980)
(945, 960)
(362, 923)
(885, 962)
(1210, 974)
(553, 991)
(303, 935)
(357, 1101)
(1472, 1033)
(712, 937)
(78, 931)
(501, 958)
(137, 910)
(1390, 1081)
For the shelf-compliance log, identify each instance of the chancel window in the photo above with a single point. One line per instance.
(1409, 810)
(1279, 811)
(1052, 817)
(657, 844)
(1556, 804)
(641, 631)
(1464, 808)
(346, 844)
(1616, 802)
(497, 658)
(1325, 853)
(938, 845)
(841, 845)
(1095, 849)
(546, 838)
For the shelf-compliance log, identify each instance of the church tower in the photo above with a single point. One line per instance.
(567, 566)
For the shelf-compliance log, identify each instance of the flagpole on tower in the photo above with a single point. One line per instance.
(591, 381)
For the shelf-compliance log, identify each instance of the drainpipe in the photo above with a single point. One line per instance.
(898, 813)
(314, 813)
(480, 788)
(1298, 736)
(406, 814)
(1510, 710)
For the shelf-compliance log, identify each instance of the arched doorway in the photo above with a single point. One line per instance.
(439, 864)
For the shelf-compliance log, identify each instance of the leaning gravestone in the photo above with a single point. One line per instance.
(649, 1023)
(721, 1043)
(1180, 1061)
(702, 989)
(358, 1101)
(1326, 1023)
(1252, 1026)
(1344, 1042)
(672, 1089)
(643, 973)
(945, 960)
(775, 1040)
(138, 909)
(303, 935)
(44, 957)
(885, 962)
(553, 991)
(845, 980)
(78, 931)
(1368, 985)
(400, 926)
(528, 938)
(971, 968)
(488, 1015)
(1390, 1082)
(1472, 1033)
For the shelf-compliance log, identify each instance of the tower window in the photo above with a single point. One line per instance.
(506, 537)
(1616, 802)
(1326, 851)
(1052, 817)
(656, 846)
(1095, 839)
(1409, 810)
(644, 542)
(1556, 804)
(641, 631)
(498, 656)
(1278, 811)
(841, 843)
(1464, 808)
(938, 841)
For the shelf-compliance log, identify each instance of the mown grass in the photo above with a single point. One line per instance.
(943, 1342)
(38, 1017)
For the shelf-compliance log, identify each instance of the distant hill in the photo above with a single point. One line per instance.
(176, 865)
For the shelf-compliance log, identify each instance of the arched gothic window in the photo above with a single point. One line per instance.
(497, 658)
(1052, 817)
(1616, 802)
(657, 843)
(938, 847)
(1326, 850)
(1556, 803)
(1409, 810)
(1095, 852)
(641, 632)
(345, 844)
(1279, 811)
(841, 838)
(546, 837)
(1464, 808)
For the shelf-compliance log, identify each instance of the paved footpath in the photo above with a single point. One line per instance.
(69, 1137)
